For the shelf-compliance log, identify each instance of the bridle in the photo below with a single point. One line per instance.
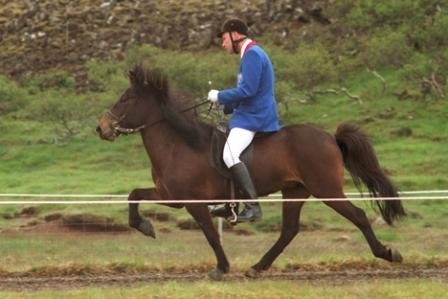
(118, 129)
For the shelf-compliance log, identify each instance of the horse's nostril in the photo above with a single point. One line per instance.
(98, 130)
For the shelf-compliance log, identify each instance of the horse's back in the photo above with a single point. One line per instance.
(297, 135)
(293, 154)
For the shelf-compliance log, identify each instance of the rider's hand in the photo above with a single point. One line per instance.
(213, 95)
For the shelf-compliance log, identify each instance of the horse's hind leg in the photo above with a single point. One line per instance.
(290, 228)
(358, 217)
(202, 216)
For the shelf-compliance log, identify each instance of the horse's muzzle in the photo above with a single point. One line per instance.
(105, 130)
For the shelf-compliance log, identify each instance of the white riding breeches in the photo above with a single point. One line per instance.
(236, 143)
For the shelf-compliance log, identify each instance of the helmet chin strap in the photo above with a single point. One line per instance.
(235, 42)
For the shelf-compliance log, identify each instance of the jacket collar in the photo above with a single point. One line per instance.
(244, 46)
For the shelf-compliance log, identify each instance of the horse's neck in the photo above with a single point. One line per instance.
(163, 146)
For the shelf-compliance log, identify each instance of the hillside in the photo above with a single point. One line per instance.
(45, 35)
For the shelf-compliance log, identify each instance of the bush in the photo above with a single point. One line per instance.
(12, 98)
(107, 75)
(69, 114)
(306, 67)
(386, 48)
(367, 14)
(439, 30)
(419, 66)
(428, 73)
(189, 72)
(51, 80)
(431, 34)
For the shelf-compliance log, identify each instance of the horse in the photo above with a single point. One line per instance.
(300, 160)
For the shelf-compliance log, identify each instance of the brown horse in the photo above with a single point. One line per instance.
(299, 160)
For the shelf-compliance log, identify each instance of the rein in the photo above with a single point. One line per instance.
(115, 120)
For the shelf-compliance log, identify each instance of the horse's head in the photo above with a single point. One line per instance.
(137, 107)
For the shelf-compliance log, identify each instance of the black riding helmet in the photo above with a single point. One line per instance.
(234, 25)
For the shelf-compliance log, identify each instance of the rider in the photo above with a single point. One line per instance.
(252, 103)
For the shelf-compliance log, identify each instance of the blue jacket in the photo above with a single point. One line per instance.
(252, 102)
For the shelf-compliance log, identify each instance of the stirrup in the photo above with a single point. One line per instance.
(233, 220)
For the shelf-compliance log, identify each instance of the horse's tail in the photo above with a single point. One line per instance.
(361, 161)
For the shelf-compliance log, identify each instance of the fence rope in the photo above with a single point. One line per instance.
(276, 197)
(126, 195)
(217, 201)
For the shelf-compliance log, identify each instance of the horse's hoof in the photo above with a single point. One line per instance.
(252, 273)
(216, 274)
(395, 256)
(146, 228)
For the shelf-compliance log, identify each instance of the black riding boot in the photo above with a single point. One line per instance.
(241, 176)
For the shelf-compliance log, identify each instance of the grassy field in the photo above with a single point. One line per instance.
(262, 289)
(409, 136)
(326, 238)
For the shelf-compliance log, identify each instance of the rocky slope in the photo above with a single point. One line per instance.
(63, 34)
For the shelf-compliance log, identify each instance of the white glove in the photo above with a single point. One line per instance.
(213, 95)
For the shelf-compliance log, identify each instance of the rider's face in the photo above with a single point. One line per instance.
(227, 42)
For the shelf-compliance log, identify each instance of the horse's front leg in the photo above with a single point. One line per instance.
(135, 219)
(202, 216)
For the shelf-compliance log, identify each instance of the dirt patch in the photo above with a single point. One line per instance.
(53, 217)
(29, 211)
(329, 276)
(93, 223)
(57, 223)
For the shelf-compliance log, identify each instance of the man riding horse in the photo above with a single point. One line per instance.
(252, 103)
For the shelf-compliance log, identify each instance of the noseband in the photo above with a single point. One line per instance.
(115, 124)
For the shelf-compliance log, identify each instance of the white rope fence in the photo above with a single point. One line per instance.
(415, 195)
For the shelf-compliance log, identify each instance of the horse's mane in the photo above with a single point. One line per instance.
(152, 83)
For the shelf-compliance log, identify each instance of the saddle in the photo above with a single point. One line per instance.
(218, 140)
(219, 137)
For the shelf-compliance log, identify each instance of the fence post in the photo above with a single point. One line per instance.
(220, 230)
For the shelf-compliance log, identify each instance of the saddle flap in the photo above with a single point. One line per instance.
(218, 141)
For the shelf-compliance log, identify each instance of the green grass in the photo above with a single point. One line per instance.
(84, 165)
(36, 158)
(409, 288)
(419, 237)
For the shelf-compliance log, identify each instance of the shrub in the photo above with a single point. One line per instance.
(366, 14)
(431, 34)
(106, 75)
(439, 30)
(428, 73)
(189, 72)
(386, 48)
(418, 66)
(50, 80)
(306, 67)
(12, 98)
(69, 114)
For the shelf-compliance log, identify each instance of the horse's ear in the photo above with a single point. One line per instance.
(137, 77)
(153, 82)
